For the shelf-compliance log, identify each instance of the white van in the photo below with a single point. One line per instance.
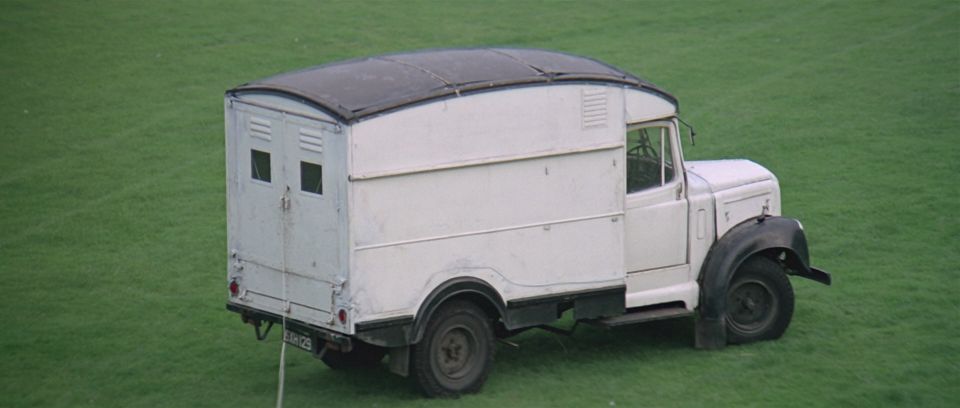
(424, 204)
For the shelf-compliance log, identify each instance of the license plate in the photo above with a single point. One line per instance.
(299, 340)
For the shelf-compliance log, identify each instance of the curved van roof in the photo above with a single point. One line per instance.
(358, 88)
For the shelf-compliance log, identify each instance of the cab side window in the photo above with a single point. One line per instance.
(649, 158)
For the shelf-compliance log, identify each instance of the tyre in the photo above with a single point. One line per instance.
(362, 355)
(456, 353)
(759, 302)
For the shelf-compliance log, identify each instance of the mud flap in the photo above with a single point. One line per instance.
(711, 333)
(400, 360)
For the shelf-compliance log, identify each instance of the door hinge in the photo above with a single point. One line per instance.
(338, 285)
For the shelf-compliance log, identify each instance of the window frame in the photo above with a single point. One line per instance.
(671, 127)
(300, 169)
(255, 170)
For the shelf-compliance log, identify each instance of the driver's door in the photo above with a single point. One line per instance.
(655, 207)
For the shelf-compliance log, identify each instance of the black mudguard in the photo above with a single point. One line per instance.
(779, 236)
(485, 296)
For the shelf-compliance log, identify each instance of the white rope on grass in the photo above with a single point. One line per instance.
(284, 205)
(283, 359)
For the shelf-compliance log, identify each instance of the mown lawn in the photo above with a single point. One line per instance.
(112, 230)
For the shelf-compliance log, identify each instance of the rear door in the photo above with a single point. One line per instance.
(311, 222)
(283, 210)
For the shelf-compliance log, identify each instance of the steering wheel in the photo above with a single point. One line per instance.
(643, 171)
(646, 149)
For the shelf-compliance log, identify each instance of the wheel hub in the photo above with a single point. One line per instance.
(454, 353)
(751, 305)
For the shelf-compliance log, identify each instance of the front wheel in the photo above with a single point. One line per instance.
(759, 302)
(456, 353)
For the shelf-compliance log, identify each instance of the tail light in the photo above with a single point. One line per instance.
(342, 315)
(234, 288)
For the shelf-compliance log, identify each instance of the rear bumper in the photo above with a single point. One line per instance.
(318, 334)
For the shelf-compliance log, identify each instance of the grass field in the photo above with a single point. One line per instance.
(112, 231)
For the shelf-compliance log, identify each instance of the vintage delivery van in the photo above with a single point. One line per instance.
(424, 204)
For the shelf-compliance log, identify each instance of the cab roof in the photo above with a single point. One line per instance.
(358, 88)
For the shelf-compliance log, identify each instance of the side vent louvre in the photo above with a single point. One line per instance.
(311, 139)
(594, 103)
(259, 128)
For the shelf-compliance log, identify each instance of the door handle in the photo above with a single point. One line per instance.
(285, 200)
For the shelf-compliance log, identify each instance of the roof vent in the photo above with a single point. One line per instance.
(594, 103)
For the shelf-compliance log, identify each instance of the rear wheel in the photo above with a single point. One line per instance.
(759, 302)
(456, 353)
(362, 355)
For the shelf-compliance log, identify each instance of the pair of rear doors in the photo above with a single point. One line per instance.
(284, 209)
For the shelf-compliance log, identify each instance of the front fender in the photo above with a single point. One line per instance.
(782, 237)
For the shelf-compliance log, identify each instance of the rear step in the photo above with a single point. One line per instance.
(644, 315)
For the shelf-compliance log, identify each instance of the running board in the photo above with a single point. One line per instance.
(647, 315)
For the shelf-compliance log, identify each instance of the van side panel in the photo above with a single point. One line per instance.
(556, 236)
(439, 204)
(501, 124)
(522, 189)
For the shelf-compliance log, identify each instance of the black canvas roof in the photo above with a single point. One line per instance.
(362, 87)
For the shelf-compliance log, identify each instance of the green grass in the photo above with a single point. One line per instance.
(112, 253)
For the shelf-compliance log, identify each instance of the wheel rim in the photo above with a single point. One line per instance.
(751, 306)
(455, 352)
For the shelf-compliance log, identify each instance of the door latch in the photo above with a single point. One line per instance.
(285, 200)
